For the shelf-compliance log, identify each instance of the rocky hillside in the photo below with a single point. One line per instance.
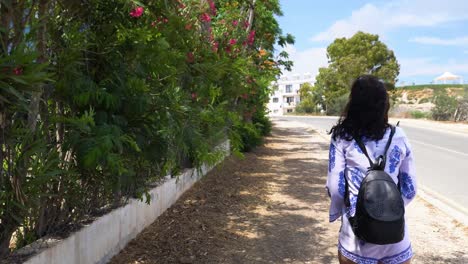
(417, 101)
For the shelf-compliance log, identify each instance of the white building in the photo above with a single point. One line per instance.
(286, 97)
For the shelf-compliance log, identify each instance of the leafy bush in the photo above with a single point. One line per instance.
(419, 114)
(444, 107)
(100, 99)
(425, 100)
(250, 136)
(261, 120)
(307, 105)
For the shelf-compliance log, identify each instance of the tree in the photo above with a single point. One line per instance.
(305, 90)
(310, 99)
(361, 54)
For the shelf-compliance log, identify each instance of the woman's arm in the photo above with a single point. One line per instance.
(407, 176)
(336, 180)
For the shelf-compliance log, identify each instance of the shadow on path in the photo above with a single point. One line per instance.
(266, 208)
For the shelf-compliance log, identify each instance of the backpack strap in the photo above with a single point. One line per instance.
(364, 150)
(392, 133)
(381, 160)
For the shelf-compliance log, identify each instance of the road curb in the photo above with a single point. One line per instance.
(447, 206)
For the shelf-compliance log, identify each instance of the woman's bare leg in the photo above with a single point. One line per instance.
(344, 260)
(407, 262)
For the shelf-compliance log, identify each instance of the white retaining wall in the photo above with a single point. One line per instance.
(106, 236)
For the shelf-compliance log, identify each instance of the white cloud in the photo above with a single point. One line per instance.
(379, 19)
(307, 61)
(360, 19)
(411, 67)
(462, 41)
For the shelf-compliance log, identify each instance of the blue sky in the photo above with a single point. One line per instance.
(429, 37)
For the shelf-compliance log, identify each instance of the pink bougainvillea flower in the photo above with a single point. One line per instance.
(246, 24)
(228, 49)
(165, 20)
(235, 23)
(153, 24)
(212, 7)
(205, 17)
(137, 12)
(244, 43)
(232, 42)
(18, 71)
(251, 38)
(194, 96)
(190, 57)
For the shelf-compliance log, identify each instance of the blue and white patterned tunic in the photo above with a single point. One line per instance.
(347, 160)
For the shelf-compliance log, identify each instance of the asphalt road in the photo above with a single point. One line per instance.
(441, 157)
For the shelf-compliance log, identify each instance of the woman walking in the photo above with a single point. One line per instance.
(366, 118)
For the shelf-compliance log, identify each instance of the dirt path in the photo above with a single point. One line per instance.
(271, 207)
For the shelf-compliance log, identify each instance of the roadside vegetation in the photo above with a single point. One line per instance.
(365, 53)
(98, 99)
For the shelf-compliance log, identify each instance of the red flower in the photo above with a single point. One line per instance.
(18, 71)
(137, 12)
(205, 17)
(165, 20)
(235, 23)
(246, 24)
(232, 42)
(215, 46)
(194, 96)
(251, 38)
(228, 49)
(190, 57)
(153, 24)
(212, 7)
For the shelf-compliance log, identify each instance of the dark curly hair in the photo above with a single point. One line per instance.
(366, 113)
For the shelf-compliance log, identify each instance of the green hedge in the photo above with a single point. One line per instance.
(99, 99)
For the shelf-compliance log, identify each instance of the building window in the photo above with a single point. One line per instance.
(275, 99)
(288, 88)
(290, 110)
(289, 99)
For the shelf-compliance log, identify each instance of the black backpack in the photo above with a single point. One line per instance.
(380, 210)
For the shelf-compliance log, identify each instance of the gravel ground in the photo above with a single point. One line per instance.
(271, 207)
